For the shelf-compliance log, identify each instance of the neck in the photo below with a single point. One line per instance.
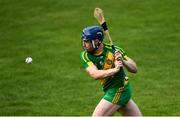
(99, 50)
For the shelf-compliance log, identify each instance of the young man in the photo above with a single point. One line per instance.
(104, 63)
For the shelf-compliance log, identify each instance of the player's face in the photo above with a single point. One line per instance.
(88, 45)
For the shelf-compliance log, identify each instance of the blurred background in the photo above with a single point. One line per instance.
(56, 83)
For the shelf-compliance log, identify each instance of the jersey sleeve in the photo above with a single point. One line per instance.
(85, 60)
(124, 54)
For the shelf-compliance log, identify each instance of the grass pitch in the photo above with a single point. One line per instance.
(56, 84)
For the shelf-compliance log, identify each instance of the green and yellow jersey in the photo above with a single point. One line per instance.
(106, 61)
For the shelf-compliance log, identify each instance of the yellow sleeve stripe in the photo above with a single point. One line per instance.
(85, 57)
(117, 47)
(126, 57)
(106, 44)
(120, 49)
(90, 63)
(108, 47)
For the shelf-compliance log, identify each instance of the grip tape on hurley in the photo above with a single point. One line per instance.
(104, 26)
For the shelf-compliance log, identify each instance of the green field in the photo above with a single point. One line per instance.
(56, 84)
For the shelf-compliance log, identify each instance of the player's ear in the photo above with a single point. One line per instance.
(97, 42)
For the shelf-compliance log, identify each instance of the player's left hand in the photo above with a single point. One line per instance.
(118, 56)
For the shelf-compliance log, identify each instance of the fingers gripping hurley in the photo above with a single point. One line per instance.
(98, 14)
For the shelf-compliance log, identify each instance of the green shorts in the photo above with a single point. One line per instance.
(119, 95)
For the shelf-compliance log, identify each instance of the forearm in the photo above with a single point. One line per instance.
(130, 65)
(101, 74)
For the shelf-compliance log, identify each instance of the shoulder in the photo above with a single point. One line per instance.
(84, 56)
(85, 59)
(107, 46)
(124, 54)
(119, 49)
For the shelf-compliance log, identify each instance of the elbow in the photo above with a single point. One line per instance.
(94, 74)
(95, 77)
(132, 67)
(134, 70)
